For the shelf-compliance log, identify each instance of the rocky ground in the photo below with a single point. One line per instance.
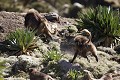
(16, 66)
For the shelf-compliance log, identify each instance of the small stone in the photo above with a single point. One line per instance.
(52, 16)
(12, 59)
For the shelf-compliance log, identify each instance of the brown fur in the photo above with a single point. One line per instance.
(107, 76)
(38, 23)
(36, 75)
(83, 46)
(87, 34)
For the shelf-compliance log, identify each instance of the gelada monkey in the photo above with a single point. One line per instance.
(36, 75)
(36, 22)
(83, 46)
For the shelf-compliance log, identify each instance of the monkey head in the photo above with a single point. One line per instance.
(80, 40)
(86, 33)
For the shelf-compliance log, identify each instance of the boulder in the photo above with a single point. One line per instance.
(66, 66)
(24, 62)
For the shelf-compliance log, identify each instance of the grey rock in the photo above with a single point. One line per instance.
(78, 5)
(37, 53)
(29, 60)
(12, 78)
(12, 59)
(54, 45)
(24, 62)
(107, 50)
(117, 49)
(52, 16)
(66, 66)
(42, 47)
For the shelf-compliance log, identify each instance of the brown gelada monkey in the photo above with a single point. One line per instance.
(107, 76)
(38, 23)
(84, 46)
(36, 75)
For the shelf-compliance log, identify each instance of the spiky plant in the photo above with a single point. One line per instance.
(73, 74)
(21, 40)
(103, 22)
(52, 55)
(50, 62)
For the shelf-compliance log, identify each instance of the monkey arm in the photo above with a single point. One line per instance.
(75, 55)
(89, 39)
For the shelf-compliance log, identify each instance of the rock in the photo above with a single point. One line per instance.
(52, 16)
(42, 47)
(24, 62)
(12, 78)
(12, 60)
(37, 53)
(77, 7)
(2, 59)
(6, 72)
(117, 49)
(115, 58)
(54, 45)
(29, 60)
(56, 38)
(66, 66)
(107, 50)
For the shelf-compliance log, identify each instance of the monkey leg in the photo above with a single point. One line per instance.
(49, 35)
(96, 57)
(88, 59)
(94, 53)
(93, 50)
(75, 55)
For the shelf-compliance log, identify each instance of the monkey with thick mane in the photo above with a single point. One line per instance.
(36, 22)
(83, 46)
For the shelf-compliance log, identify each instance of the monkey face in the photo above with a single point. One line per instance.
(86, 33)
(80, 41)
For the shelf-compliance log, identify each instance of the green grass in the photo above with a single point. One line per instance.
(103, 22)
(53, 55)
(21, 40)
(74, 74)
